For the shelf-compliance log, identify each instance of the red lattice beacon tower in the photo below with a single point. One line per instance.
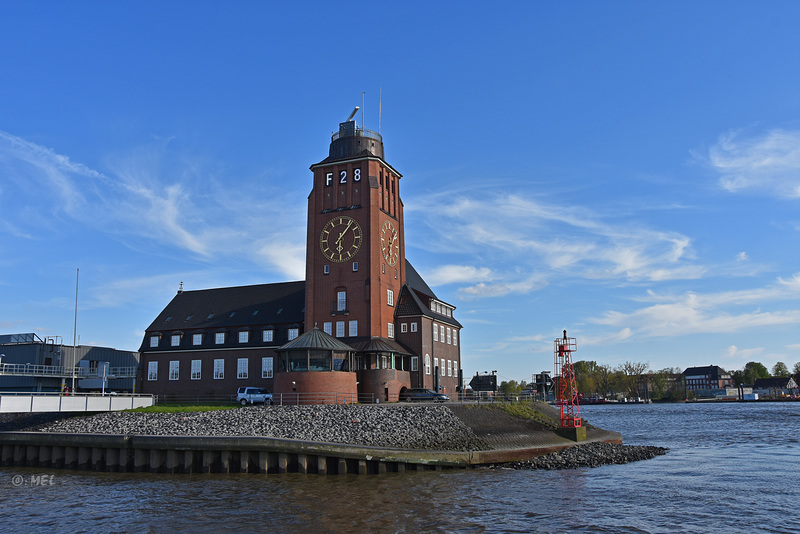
(564, 376)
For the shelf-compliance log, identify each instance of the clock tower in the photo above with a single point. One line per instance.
(355, 254)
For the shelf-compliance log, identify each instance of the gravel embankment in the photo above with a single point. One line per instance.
(14, 422)
(589, 455)
(426, 427)
(402, 427)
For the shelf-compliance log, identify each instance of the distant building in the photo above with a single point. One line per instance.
(30, 363)
(710, 377)
(775, 386)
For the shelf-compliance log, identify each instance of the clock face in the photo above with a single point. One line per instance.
(340, 239)
(390, 244)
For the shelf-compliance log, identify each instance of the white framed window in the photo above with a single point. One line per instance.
(449, 367)
(154, 340)
(241, 367)
(441, 333)
(449, 337)
(455, 336)
(403, 328)
(197, 339)
(173, 370)
(413, 327)
(175, 341)
(435, 332)
(443, 369)
(293, 333)
(391, 330)
(436, 365)
(152, 371)
(390, 297)
(219, 369)
(339, 328)
(244, 336)
(341, 300)
(427, 364)
(352, 328)
(219, 338)
(267, 335)
(195, 370)
(384, 362)
(414, 363)
(327, 327)
(266, 367)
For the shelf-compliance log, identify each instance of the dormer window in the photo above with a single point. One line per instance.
(268, 335)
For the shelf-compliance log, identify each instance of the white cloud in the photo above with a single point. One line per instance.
(499, 289)
(742, 256)
(768, 162)
(518, 236)
(695, 313)
(154, 197)
(734, 358)
(455, 274)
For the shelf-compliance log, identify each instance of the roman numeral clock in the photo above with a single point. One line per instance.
(340, 239)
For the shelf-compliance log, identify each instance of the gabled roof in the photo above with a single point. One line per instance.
(316, 339)
(775, 382)
(415, 281)
(713, 371)
(410, 304)
(231, 307)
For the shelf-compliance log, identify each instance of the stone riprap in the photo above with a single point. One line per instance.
(589, 455)
(428, 427)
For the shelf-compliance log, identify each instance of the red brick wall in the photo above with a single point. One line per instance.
(315, 387)
(377, 381)
(207, 385)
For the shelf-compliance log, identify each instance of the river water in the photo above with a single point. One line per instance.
(731, 467)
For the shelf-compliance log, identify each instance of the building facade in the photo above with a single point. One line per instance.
(708, 377)
(30, 363)
(359, 290)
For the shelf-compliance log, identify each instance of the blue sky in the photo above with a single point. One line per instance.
(628, 171)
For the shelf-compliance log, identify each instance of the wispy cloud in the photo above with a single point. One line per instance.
(529, 241)
(767, 163)
(156, 196)
(693, 313)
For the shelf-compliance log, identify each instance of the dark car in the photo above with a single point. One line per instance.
(421, 394)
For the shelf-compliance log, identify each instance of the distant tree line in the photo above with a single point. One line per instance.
(636, 380)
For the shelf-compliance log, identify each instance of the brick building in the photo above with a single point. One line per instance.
(708, 377)
(363, 323)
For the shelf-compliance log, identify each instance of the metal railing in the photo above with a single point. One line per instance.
(24, 369)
